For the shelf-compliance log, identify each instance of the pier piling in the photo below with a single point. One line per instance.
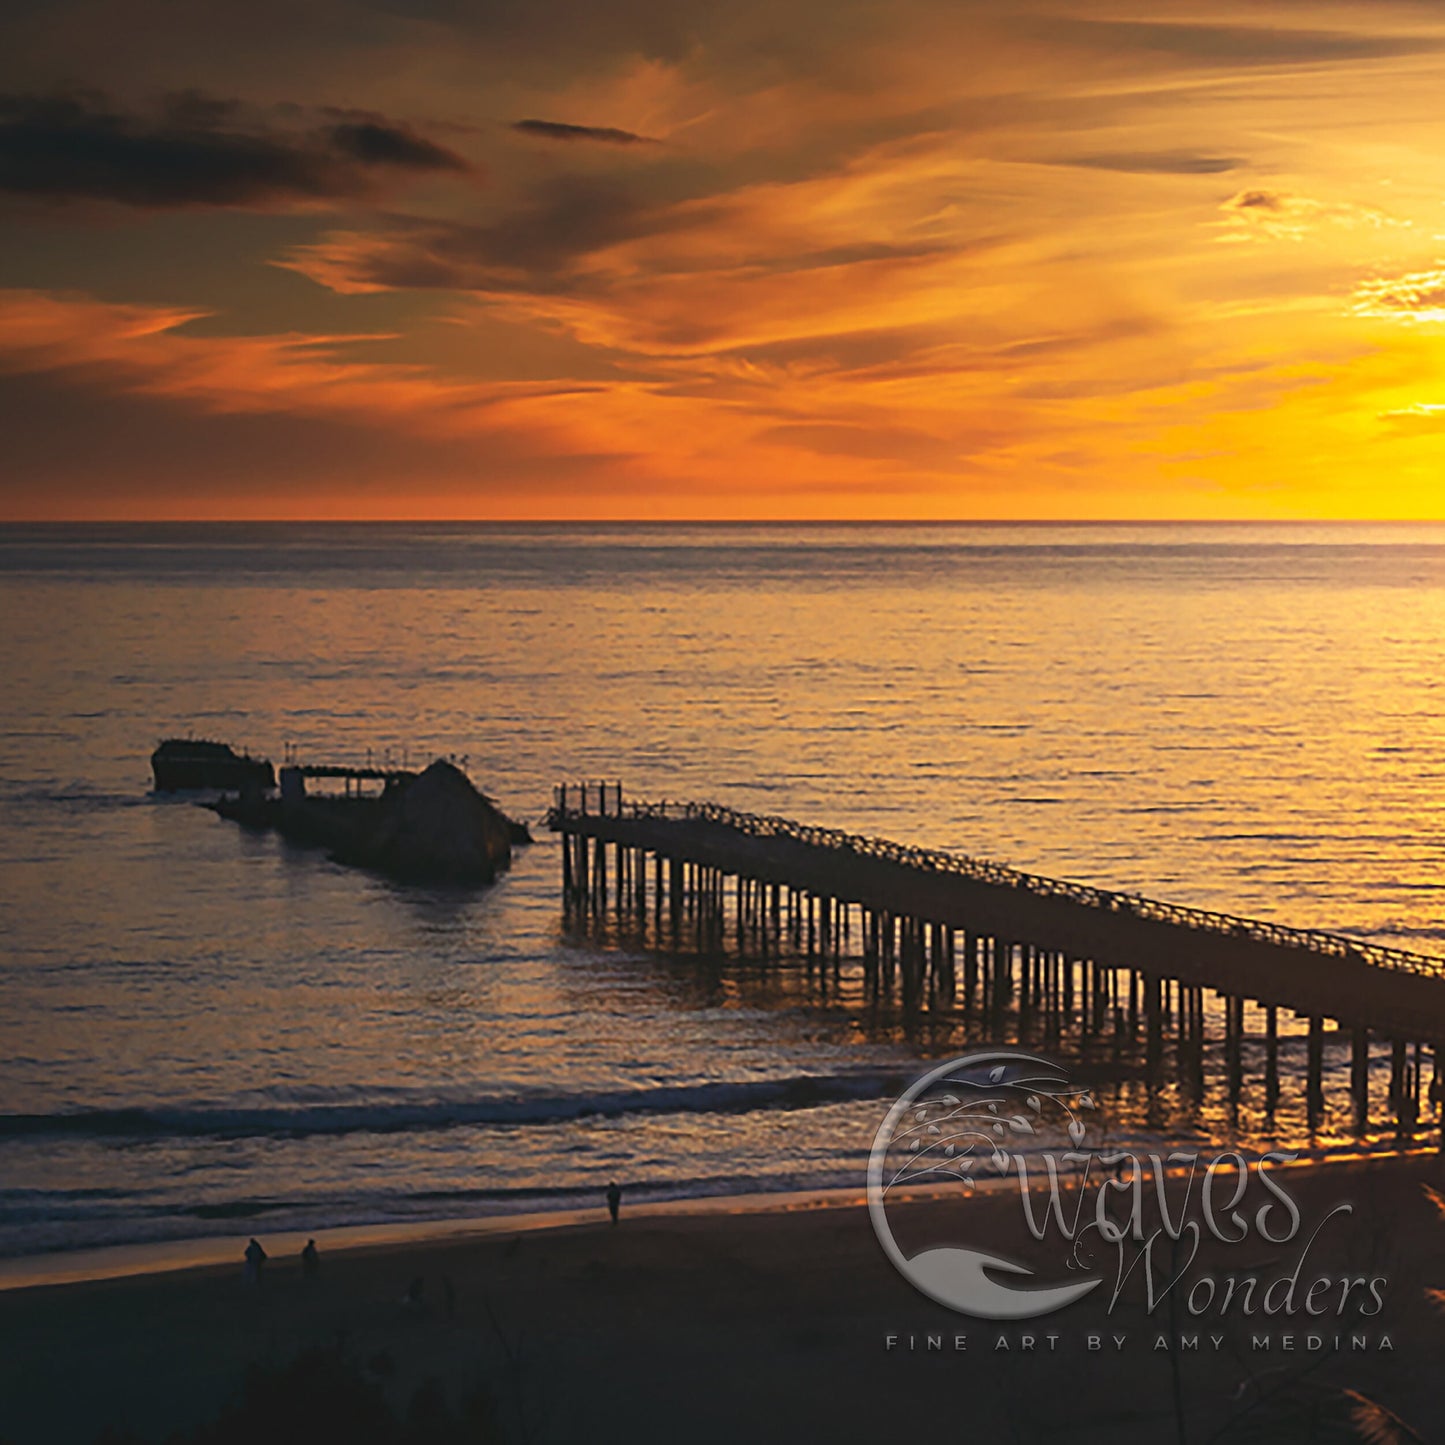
(1003, 951)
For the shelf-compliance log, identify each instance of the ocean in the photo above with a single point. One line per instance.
(208, 1031)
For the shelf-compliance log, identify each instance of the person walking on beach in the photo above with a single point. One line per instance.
(614, 1200)
(310, 1260)
(255, 1257)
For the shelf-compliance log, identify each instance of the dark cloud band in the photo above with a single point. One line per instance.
(196, 151)
(1154, 163)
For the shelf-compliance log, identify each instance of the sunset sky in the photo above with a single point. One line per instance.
(640, 259)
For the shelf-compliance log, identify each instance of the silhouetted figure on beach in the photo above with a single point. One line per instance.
(310, 1260)
(415, 1297)
(255, 1257)
(449, 1297)
(614, 1200)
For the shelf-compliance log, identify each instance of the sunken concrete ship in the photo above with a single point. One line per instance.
(435, 826)
(186, 764)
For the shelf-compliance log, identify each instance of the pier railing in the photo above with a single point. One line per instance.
(982, 870)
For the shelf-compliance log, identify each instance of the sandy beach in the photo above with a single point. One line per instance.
(730, 1323)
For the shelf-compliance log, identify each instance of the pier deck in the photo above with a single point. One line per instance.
(959, 932)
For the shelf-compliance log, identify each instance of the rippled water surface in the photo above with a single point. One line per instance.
(202, 1026)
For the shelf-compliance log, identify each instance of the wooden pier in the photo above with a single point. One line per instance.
(952, 935)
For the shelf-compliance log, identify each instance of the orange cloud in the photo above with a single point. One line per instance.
(635, 435)
(146, 350)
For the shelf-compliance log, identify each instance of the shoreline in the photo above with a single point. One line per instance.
(214, 1252)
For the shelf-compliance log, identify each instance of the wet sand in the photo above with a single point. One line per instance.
(734, 1324)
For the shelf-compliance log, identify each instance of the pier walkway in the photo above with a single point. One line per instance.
(949, 932)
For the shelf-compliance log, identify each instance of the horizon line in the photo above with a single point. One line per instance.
(718, 521)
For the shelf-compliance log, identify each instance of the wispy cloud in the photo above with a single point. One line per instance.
(149, 350)
(562, 131)
(1421, 415)
(1249, 46)
(1282, 215)
(1419, 296)
(1153, 163)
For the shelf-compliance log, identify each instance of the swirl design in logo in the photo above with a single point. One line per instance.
(957, 1117)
